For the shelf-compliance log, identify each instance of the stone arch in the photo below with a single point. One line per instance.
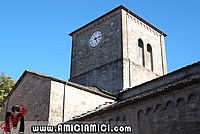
(192, 98)
(141, 115)
(141, 52)
(158, 108)
(169, 105)
(149, 111)
(180, 102)
(149, 57)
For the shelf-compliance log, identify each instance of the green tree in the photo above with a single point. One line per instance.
(6, 85)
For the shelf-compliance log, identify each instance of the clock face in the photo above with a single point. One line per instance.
(95, 39)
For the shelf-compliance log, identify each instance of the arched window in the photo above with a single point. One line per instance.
(141, 52)
(149, 57)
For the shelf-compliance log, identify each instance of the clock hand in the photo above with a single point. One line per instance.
(98, 37)
(95, 39)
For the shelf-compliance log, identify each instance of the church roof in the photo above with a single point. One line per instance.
(93, 90)
(176, 80)
(129, 11)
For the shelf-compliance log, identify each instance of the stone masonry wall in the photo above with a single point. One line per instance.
(85, 57)
(134, 29)
(114, 63)
(79, 101)
(140, 75)
(99, 66)
(34, 93)
(175, 111)
(56, 103)
(107, 77)
(76, 102)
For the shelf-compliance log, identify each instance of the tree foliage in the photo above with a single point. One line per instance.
(6, 85)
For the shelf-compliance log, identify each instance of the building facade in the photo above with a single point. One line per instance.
(118, 76)
(116, 51)
(169, 104)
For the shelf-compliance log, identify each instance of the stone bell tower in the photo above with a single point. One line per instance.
(116, 51)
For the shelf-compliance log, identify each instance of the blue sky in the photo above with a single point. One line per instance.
(34, 33)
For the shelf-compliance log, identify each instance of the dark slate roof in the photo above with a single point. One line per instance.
(94, 90)
(129, 11)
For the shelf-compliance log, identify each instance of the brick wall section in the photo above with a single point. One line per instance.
(33, 92)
